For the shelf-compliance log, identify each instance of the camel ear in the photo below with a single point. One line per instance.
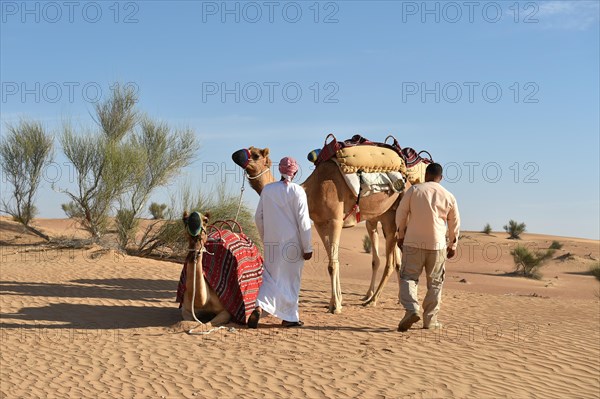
(185, 217)
(206, 218)
(265, 152)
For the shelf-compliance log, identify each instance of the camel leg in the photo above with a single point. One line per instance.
(375, 262)
(388, 226)
(222, 318)
(336, 232)
(330, 233)
(398, 259)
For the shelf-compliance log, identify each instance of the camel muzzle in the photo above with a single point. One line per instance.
(241, 158)
(194, 224)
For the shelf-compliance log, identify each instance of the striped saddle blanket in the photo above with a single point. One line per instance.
(233, 267)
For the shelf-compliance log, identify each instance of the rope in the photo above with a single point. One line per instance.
(196, 253)
(194, 285)
(237, 214)
(257, 176)
(212, 330)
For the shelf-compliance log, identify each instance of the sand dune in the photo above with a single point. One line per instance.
(95, 323)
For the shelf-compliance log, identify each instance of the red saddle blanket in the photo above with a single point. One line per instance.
(233, 267)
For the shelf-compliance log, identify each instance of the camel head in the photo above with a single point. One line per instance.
(257, 165)
(195, 229)
(253, 160)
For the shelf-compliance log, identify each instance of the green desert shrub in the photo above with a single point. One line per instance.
(24, 152)
(72, 210)
(555, 245)
(487, 229)
(528, 263)
(101, 159)
(126, 226)
(158, 210)
(514, 229)
(220, 204)
(367, 244)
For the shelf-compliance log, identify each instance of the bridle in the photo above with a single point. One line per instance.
(257, 176)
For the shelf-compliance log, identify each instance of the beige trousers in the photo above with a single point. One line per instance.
(413, 262)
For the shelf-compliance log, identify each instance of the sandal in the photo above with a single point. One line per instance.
(289, 324)
(253, 319)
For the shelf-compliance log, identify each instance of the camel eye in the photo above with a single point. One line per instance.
(255, 157)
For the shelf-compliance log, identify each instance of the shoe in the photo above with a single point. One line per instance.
(289, 324)
(433, 326)
(407, 321)
(254, 318)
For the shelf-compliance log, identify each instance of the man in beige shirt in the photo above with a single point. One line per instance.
(421, 218)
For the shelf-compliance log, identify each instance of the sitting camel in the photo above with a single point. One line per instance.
(206, 302)
(329, 201)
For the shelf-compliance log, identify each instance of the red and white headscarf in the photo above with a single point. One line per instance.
(288, 168)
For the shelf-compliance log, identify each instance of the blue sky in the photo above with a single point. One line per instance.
(504, 94)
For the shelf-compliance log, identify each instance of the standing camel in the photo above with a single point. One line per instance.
(206, 301)
(329, 200)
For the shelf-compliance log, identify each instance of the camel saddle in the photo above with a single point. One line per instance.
(415, 165)
(359, 153)
(233, 267)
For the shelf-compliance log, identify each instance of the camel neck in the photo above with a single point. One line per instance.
(201, 289)
(258, 184)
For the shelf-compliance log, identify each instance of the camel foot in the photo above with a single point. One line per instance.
(367, 297)
(334, 310)
(370, 303)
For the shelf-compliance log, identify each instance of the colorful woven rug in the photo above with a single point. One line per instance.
(233, 267)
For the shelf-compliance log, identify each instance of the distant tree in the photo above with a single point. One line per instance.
(556, 245)
(487, 229)
(514, 229)
(24, 153)
(527, 263)
(158, 210)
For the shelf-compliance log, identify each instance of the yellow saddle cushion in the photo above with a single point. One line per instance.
(416, 174)
(369, 159)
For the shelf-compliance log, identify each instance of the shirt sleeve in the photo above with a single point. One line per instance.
(402, 213)
(303, 221)
(258, 219)
(453, 224)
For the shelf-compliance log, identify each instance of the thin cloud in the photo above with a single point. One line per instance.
(569, 15)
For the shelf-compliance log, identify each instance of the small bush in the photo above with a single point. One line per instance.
(595, 270)
(126, 227)
(514, 229)
(367, 245)
(527, 263)
(487, 229)
(555, 245)
(158, 210)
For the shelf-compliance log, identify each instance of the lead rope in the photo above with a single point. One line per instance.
(196, 252)
(241, 197)
(192, 332)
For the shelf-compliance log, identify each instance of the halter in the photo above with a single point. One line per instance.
(257, 176)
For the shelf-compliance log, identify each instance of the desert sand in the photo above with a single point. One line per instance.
(95, 323)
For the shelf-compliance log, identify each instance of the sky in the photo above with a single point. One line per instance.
(505, 95)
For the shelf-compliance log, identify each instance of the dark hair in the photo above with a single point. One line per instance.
(434, 169)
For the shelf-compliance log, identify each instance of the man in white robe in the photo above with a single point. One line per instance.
(284, 225)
